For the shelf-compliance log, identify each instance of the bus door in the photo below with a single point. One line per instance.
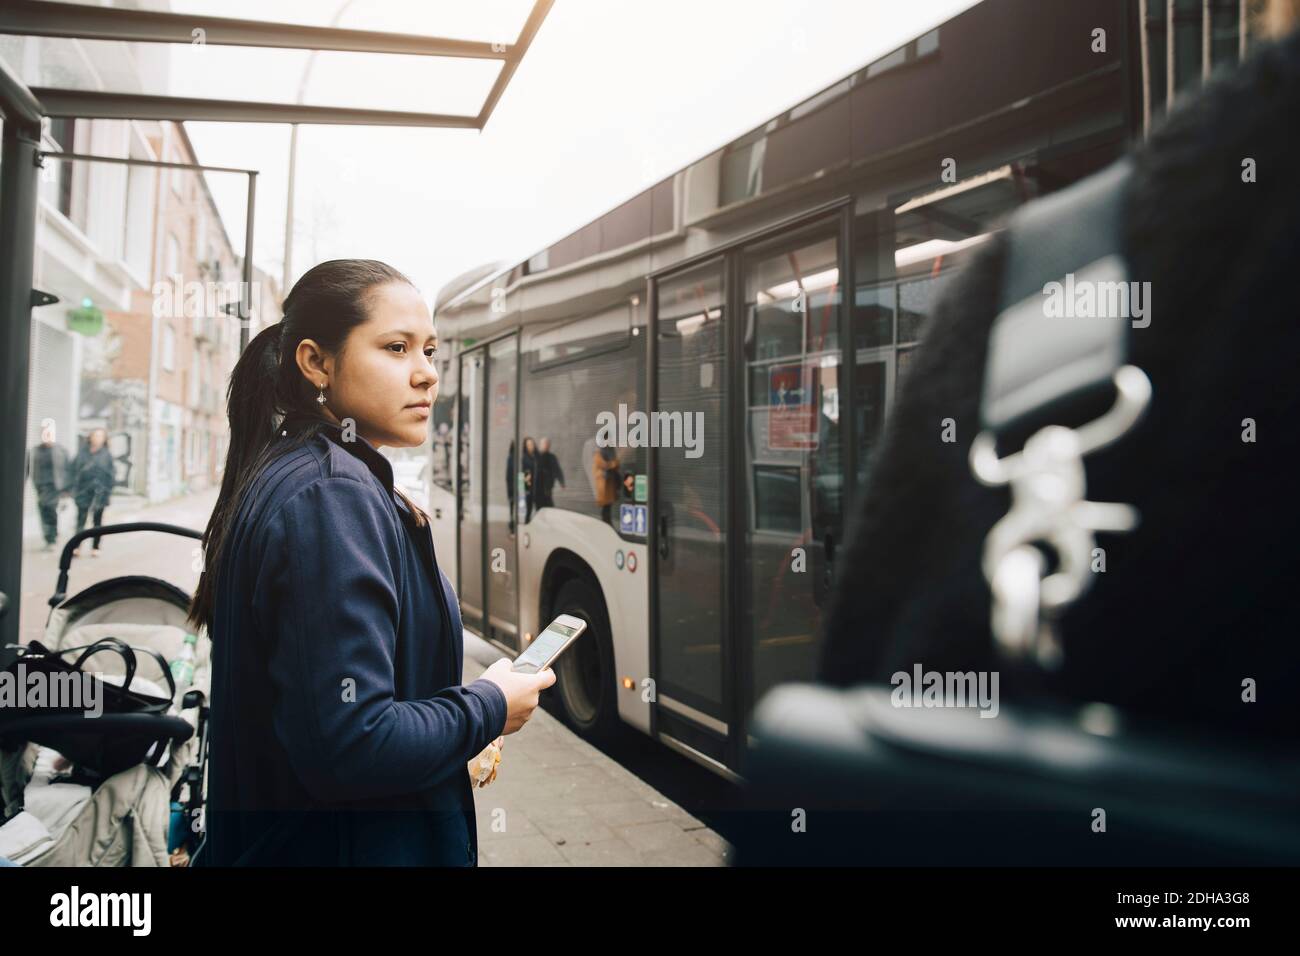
(501, 511)
(488, 496)
(469, 490)
(689, 508)
(789, 458)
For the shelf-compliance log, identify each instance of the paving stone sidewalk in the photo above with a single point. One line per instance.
(558, 801)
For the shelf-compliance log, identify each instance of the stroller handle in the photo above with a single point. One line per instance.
(65, 559)
(162, 726)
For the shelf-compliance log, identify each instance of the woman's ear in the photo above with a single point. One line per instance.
(316, 366)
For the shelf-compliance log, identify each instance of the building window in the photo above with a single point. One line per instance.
(201, 245)
(178, 177)
(168, 348)
(196, 375)
(173, 256)
(63, 132)
(137, 220)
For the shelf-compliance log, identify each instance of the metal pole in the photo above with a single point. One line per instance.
(1145, 45)
(1169, 54)
(246, 289)
(286, 275)
(19, 156)
(153, 163)
(1241, 30)
(1205, 39)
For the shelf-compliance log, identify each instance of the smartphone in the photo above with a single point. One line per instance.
(550, 644)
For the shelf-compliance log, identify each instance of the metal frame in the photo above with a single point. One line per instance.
(42, 18)
(246, 286)
(1170, 16)
(23, 110)
(19, 172)
(87, 104)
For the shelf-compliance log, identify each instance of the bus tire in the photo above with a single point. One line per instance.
(584, 675)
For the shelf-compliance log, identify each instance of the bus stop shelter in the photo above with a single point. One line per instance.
(24, 106)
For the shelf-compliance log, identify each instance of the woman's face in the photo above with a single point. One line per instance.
(97, 439)
(385, 379)
(530, 447)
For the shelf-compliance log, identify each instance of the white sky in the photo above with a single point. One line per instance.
(612, 96)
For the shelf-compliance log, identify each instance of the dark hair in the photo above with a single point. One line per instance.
(325, 305)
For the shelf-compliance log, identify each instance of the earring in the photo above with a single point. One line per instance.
(321, 397)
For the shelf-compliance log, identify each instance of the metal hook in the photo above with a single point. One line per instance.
(1133, 394)
(1049, 509)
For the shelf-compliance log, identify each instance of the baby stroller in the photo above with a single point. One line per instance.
(59, 812)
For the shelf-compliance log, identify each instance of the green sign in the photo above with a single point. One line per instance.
(86, 320)
(640, 490)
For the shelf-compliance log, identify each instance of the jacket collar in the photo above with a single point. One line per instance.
(361, 448)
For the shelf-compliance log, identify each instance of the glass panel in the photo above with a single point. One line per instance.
(505, 491)
(873, 272)
(916, 301)
(873, 316)
(593, 370)
(126, 407)
(869, 405)
(792, 453)
(1188, 52)
(424, 84)
(1224, 39)
(905, 358)
(499, 20)
(796, 293)
(609, 329)
(742, 169)
(470, 457)
(1158, 46)
(690, 497)
(413, 469)
(444, 421)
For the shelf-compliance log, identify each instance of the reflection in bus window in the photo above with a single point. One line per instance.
(574, 371)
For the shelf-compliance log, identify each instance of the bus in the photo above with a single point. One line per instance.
(661, 422)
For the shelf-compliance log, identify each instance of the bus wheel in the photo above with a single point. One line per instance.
(584, 675)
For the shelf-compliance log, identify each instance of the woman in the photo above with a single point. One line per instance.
(1196, 605)
(340, 731)
(92, 483)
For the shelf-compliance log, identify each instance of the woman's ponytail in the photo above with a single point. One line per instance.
(251, 398)
(252, 404)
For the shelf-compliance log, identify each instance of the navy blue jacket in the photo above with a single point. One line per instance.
(339, 728)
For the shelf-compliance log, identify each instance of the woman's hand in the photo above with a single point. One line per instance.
(521, 690)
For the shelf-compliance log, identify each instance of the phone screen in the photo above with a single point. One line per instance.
(547, 644)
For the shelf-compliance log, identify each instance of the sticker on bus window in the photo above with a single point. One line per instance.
(633, 519)
(792, 409)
